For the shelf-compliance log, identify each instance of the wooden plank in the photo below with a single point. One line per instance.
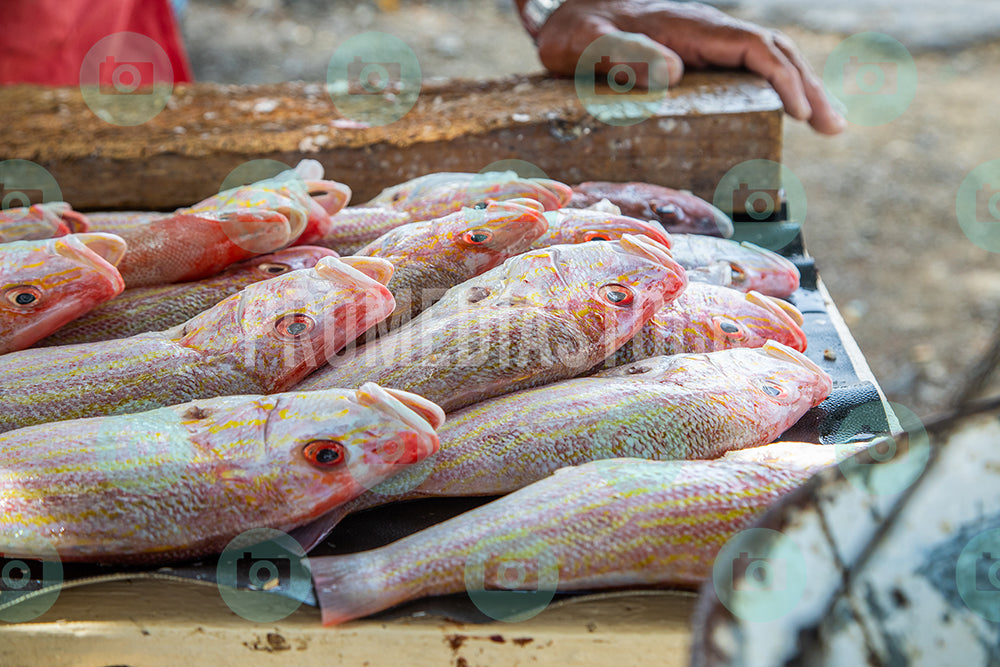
(155, 623)
(710, 123)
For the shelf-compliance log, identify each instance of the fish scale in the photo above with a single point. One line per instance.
(651, 522)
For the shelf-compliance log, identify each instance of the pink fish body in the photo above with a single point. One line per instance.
(182, 481)
(263, 339)
(191, 246)
(678, 211)
(745, 266)
(436, 195)
(577, 225)
(160, 307)
(708, 318)
(40, 221)
(607, 524)
(45, 284)
(539, 317)
(433, 256)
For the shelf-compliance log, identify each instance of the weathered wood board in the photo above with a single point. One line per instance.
(705, 126)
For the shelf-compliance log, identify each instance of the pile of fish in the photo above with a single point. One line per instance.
(273, 358)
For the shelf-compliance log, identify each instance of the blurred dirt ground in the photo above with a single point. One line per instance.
(920, 298)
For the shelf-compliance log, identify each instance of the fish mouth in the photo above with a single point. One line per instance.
(782, 352)
(331, 195)
(415, 411)
(649, 248)
(522, 230)
(722, 221)
(785, 312)
(98, 250)
(363, 272)
(788, 279)
(521, 202)
(658, 235)
(552, 194)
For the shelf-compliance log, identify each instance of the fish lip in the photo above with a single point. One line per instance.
(785, 312)
(773, 348)
(520, 202)
(559, 193)
(98, 250)
(775, 260)
(646, 247)
(722, 221)
(366, 272)
(334, 197)
(528, 227)
(394, 402)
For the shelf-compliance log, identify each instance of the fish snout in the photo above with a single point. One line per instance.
(785, 313)
(552, 194)
(256, 230)
(824, 383)
(331, 195)
(359, 272)
(722, 221)
(416, 412)
(643, 246)
(768, 271)
(97, 250)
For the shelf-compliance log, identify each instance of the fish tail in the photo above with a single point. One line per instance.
(348, 588)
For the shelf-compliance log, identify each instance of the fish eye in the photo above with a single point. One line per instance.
(477, 294)
(294, 325)
(728, 328)
(477, 236)
(666, 210)
(739, 275)
(617, 295)
(481, 205)
(324, 453)
(596, 236)
(774, 389)
(637, 370)
(274, 268)
(23, 296)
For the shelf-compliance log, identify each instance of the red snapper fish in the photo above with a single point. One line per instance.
(160, 307)
(45, 284)
(183, 481)
(678, 211)
(539, 317)
(744, 266)
(40, 221)
(263, 339)
(708, 318)
(436, 195)
(433, 256)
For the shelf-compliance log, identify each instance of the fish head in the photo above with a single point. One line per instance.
(757, 268)
(569, 225)
(286, 260)
(285, 327)
(436, 195)
(291, 199)
(677, 210)
(45, 284)
(718, 318)
(603, 291)
(329, 446)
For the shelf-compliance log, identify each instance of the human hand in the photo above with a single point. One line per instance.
(672, 34)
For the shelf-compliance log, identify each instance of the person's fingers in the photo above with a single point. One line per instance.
(560, 51)
(824, 117)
